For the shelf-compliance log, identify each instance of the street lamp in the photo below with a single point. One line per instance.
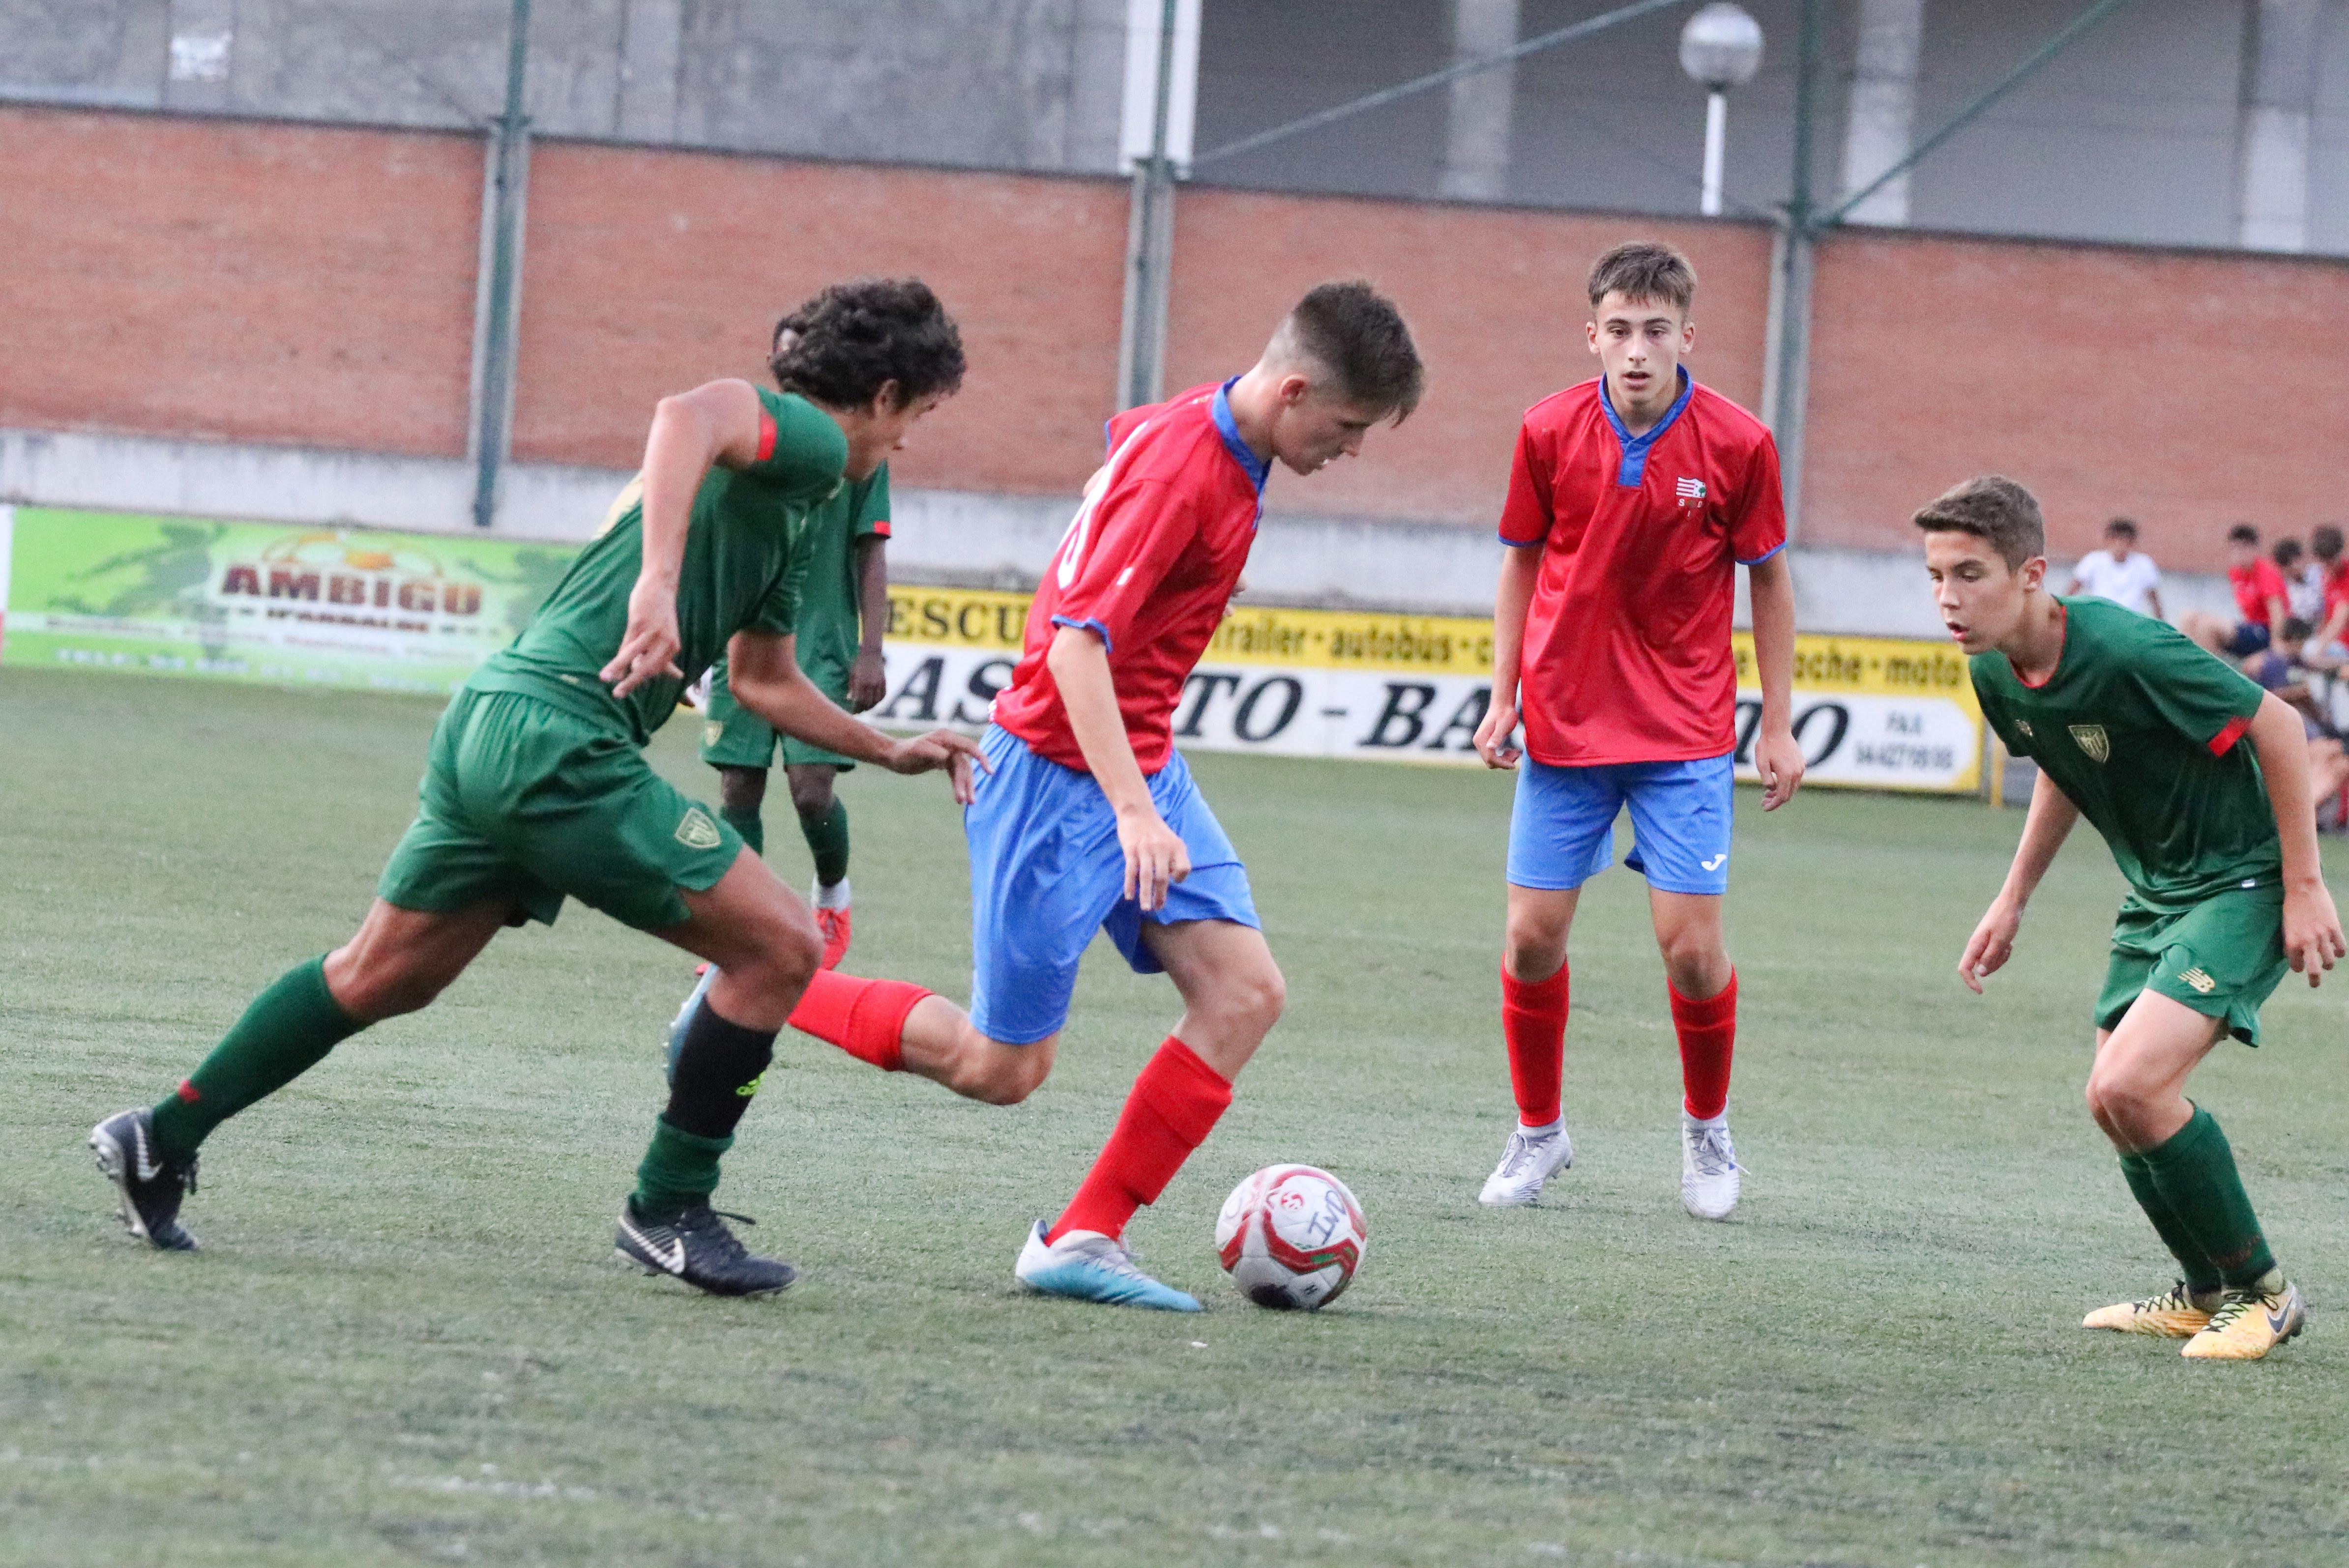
(1721, 47)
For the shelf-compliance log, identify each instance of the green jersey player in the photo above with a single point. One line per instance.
(844, 610)
(2198, 781)
(536, 788)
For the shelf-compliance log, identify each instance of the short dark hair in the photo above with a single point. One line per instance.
(2324, 542)
(2242, 533)
(1357, 333)
(1994, 509)
(2294, 630)
(853, 339)
(2122, 526)
(1644, 270)
(2284, 552)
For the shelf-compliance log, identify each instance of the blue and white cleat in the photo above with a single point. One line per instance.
(1085, 1265)
(675, 1042)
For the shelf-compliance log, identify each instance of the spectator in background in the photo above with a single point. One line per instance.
(2279, 670)
(2303, 581)
(2258, 601)
(2120, 572)
(2327, 648)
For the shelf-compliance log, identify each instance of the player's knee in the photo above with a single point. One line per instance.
(1533, 951)
(1695, 961)
(374, 992)
(786, 958)
(1258, 998)
(1005, 1075)
(812, 797)
(2116, 1100)
(741, 790)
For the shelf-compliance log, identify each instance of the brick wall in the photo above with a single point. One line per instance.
(235, 281)
(314, 286)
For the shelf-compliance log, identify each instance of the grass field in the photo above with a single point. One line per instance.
(406, 1340)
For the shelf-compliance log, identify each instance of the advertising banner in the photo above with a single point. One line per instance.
(358, 608)
(263, 602)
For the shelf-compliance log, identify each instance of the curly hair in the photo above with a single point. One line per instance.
(842, 347)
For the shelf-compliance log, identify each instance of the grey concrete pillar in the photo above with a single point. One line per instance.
(2280, 61)
(1883, 106)
(1476, 131)
(645, 107)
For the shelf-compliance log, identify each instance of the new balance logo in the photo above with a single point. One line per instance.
(2199, 981)
(1689, 489)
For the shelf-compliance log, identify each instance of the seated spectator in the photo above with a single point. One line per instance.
(2329, 647)
(2279, 670)
(2303, 581)
(2258, 601)
(2120, 572)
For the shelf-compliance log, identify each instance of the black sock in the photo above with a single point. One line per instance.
(717, 1070)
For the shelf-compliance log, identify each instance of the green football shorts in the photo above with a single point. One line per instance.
(2223, 958)
(524, 801)
(734, 737)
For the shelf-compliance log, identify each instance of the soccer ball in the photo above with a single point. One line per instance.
(1291, 1237)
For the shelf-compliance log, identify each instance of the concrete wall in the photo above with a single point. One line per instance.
(309, 290)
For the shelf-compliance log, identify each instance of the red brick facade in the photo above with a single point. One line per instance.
(314, 286)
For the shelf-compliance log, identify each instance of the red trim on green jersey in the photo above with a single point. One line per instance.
(2224, 741)
(766, 436)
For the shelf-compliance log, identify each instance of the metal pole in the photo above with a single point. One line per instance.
(493, 412)
(1149, 243)
(1716, 141)
(1786, 375)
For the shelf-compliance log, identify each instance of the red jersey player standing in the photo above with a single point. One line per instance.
(1634, 499)
(1088, 820)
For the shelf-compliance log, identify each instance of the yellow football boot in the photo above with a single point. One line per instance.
(2176, 1314)
(2249, 1324)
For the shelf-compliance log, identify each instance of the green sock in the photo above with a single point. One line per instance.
(753, 830)
(827, 840)
(286, 1031)
(2201, 1273)
(2195, 1174)
(679, 1170)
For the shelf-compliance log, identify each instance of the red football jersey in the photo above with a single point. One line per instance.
(1627, 655)
(2254, 585)
(1148, 565)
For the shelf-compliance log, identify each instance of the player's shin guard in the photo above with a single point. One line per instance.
(867, 1018)
(2195, 1174)
(717, 1070)
(287, 1030)
(751, 826)
(1172, 1107)
(1533, 1022)
(1708, 1032)
(2194, 1265)
(827, 841)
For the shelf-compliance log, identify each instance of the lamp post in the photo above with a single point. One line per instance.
(1721, 47)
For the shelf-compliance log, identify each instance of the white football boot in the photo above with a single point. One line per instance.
(1085, 1265)
(1534, 1154)
(1709, 1166)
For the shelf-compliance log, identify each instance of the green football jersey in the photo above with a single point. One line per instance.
(746, 559)
(829, 624)
(2143, 731)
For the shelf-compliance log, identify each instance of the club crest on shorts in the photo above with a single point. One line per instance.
(697, 832)
(2094, 741)
(711, 734)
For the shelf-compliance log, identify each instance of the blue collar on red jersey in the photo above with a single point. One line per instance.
(1257, 468)
(1635, 448)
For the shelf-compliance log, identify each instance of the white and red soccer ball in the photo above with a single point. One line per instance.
(1291, 1237)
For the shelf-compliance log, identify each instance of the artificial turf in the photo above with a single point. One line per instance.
(406, 1339)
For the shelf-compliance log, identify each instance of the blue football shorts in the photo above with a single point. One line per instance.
(1046, 872)
(1562, 826)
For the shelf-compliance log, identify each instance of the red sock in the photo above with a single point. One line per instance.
(867, 1018)
(1533, 1021)
(1708, 1031)
(1171, 1110)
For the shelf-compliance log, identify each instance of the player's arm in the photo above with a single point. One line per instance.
(717, 422)
(762, 671)
(1777, 757)
(2311, 926)
(868, 679)
(2045, 829)
(1520, 568)
(1155, 855)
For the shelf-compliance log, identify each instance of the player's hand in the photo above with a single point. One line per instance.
(1492, 734)
(868, 680)
(1778, 758)
(1991, 944)
(2312, 931)
(649, 647)
(951, 749)
(1155, 856)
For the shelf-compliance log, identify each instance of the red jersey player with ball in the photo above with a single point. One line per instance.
(1086, 819)
(1634, 499)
